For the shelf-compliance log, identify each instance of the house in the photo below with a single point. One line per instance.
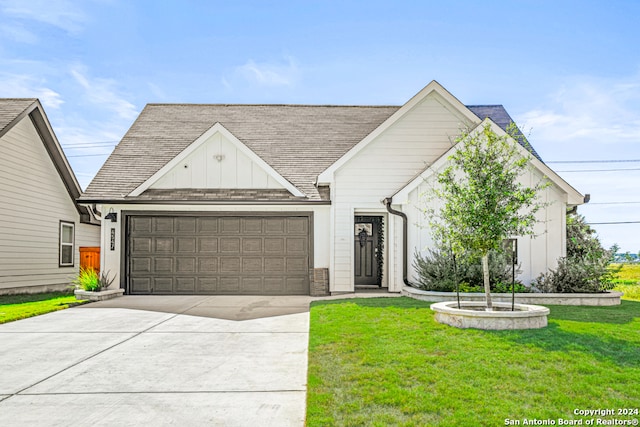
(41, 225)
(289, 199)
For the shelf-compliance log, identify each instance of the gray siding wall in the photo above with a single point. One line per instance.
(33, 201)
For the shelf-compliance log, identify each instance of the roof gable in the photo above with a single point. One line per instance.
(574, 197)
(14, 110)
(297, 141)
(326, 176)
(216, 160)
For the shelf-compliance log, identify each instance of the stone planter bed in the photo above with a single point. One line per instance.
(601, 299)
(98, 296)
(472, 315)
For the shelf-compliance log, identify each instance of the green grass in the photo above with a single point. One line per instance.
(16, 307)
(628, 281)
(385, 361)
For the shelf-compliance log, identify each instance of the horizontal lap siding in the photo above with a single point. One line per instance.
(382, 168)
(33, 201)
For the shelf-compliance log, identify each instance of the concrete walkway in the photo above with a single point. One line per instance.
(160, 360)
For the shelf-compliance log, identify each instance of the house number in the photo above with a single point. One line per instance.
(113, 239)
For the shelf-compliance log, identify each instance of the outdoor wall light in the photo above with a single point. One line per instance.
(113, 216)
(219, 157)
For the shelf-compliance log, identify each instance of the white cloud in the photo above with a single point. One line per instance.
(589, 109)
(63, 14)
(268, 73)
(26, 86)
(102, 93)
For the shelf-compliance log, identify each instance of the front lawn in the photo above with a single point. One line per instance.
(627, 280)
(385, 361)
(16, 307)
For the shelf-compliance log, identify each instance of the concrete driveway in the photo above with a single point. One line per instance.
(153, 360)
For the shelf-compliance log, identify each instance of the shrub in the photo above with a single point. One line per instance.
(586, 266)
(436, 272)
(89, 280)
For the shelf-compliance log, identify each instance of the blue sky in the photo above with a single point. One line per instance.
(568, 72)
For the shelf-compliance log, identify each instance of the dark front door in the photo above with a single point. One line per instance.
(367, 250)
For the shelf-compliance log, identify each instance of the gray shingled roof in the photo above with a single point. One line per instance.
(11, 108)
(499, 115)
(298, 141)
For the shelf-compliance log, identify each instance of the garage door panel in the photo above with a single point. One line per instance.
(229, 285)
(163, 265)
(274, 246)
(207, 285)
(186, 284)
(229, 255)
(163, 285)
(229, 225)
(251, 285)
(186, 245)
(230, 265)
(296, 265)
(207, 225)
(297, 226)
(251, 245)
(274, 226)
(163, 244)
(208, 245)
(141, 225)
(141, 265)
(274, 265)
(252, 225)
(185, 225)
(185, 265)
(141, 285)
(207, 265)
(162, 225)
(141, 245)
(230, 245)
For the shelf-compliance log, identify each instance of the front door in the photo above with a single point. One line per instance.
(367, 250)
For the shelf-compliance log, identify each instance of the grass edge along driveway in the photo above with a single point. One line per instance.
(16, 307)
(385, 361)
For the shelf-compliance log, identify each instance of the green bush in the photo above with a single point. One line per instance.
(89, 280)
(436, 272)
(586, 266)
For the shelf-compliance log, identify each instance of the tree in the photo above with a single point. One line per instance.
(483, 200)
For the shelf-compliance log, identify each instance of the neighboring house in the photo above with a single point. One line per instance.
(41, 225)
(283, 199)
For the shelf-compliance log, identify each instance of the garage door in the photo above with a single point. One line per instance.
(218, 255)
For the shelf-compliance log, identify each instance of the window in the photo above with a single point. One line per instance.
(67, 237)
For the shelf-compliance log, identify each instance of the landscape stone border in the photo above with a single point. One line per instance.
(98, 296)
(599, 299)
(524, 317)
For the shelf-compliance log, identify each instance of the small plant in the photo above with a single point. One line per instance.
(437, 271)
(586, 268)
(89, 280)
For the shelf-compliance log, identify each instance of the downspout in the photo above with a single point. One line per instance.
(405, 232)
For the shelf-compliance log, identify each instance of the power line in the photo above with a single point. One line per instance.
(613, 222)
(602, 170)
(594, 161)
(610, 203)
(89, 155)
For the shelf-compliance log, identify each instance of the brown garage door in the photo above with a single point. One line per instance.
(218, 255)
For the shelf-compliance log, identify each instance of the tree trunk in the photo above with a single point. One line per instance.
(487, 287)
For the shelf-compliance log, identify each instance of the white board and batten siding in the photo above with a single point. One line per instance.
(536, 254)
(217, 163)
(33, 201)
(380, 169)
